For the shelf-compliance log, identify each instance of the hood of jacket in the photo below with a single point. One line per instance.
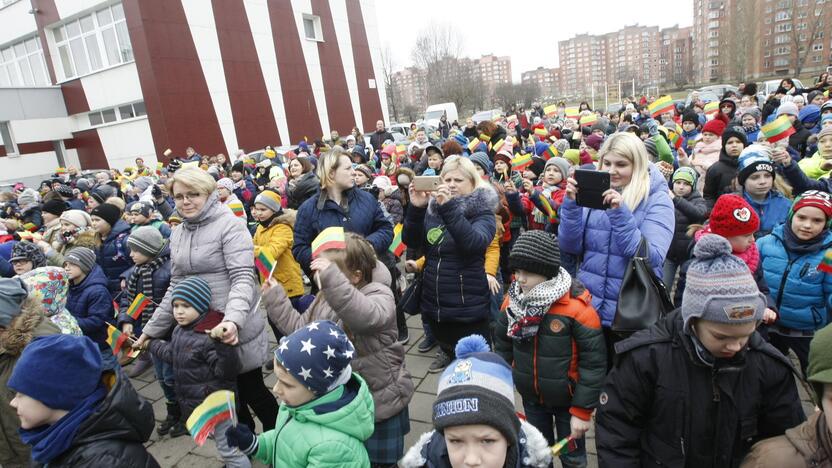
(95, 276)
(657, 181)
(119, 228)
(288, 218)
(812, 438)
(484, 197)
(351, 413)
(731, 161)
(30, 324)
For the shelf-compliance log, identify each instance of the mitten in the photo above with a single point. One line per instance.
(240, 436)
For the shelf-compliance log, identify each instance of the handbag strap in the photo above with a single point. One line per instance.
(642, 251)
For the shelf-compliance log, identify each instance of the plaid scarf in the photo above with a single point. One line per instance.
(143, 274)
(526, 311)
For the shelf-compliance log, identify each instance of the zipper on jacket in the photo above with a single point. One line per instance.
(536, 386)
(438, 264)
(783, 282)
(461, 289)
(714, 386)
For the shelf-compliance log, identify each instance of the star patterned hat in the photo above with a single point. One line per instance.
(318, 356)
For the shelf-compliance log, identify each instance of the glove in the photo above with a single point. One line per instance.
(652, 127)
(240, 436)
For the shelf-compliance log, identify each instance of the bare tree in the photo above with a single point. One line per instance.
(804, 24)
(393, 93)
(742, 44)
(437, 51)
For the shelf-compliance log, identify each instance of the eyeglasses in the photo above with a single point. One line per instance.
(190, 196)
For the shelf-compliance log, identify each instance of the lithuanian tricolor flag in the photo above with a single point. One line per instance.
(589, 119)
(711, 108)
(572, 113)
(541, 132)
(779, 128)
(499, 145)
(264, 264)
(472, 146)
(140, 302)
(217, 407)
(401, 150)
(550, 152)
(660, 106)
(115, 339)
(330, 238)
(397, 247)
(29, 227)
(551, 110)
(826, 264)
(237, 208)
(521, 162)
(547, 208)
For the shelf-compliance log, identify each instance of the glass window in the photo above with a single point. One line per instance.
(79, 56)
(109, 115)
(95, 118)
(104, 17)
(66, 62)
(124, 41)
(73, 29)
(92, 49)
(94, 41)
(111, 46)
(38, 69)
(86, 23)
(126, 112)
(22, 64)
(139, 109)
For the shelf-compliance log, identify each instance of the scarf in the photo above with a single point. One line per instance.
(71, 236)
(539, 216)
(802, 247)
(526, 311)
(751, 129)
(144, 274)
(48, 442)
(751, 256)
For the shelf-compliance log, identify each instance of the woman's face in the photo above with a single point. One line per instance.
(457, 183)
(745, 101)
(807, 223)
(726, 108)
(733, 147)
(818, 100)
(759, 184)
(189, 201)
(342, 174)
(785, 84)
(620, 169)
(295, 169)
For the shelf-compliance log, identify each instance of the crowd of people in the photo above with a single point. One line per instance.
(483, 231)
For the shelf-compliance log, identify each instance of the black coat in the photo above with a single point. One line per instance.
(115, 433)
(377, 139)
(306, 186)
(663, 406)
(798, 139)
(719, 178)
(691, 209)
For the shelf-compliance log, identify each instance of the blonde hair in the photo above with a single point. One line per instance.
(327, 164)
(195, 178)
(465, 167)
(629, 146)
(116, 201)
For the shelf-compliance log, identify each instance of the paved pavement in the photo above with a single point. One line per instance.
(181, 452)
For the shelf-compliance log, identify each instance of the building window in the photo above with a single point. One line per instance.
(817, 47)
(93, 42)
(21, 64)
(312, 28)
(117, 114)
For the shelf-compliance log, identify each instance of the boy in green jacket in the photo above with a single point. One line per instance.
(326, 411)
(820, 164)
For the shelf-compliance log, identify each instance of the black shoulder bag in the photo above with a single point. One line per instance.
(643, 298)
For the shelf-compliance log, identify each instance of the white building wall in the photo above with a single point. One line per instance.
(124, 142)
(16, 22)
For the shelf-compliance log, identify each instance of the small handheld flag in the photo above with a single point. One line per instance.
(541, 132)
(826, 264)
(550, 152)
(216, 408)
(397, 247)
(264, 264)
(140, 302)
(547, 208)
(29, 227)
(330, 238)
(572, 113)
(472, 146)
(567, 443)
(660, 106)
(237, 209)
(779, 128)
(401, 150)
(711, 108)
(499, 145)
(521, 162)
(115, 339)
(589, 120)
(550, 110)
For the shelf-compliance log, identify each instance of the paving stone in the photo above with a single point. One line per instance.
(196, 461)
(421, 407)
(152, 391)
(418, 365)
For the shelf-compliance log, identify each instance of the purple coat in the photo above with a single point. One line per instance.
(608, 239)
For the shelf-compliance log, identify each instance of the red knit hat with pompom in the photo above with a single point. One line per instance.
(733, 216)
(715, 126)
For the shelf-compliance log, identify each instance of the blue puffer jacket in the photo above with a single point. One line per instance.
(114, 256)
(76, 204)
(609, 239)
(364, 216)
(772, 212)
(454, 285)
(91, 305)
(802, 294)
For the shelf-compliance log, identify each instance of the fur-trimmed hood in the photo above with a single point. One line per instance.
(87, 238)
(30, 324)
(534, 452)
(482, 197)
(288, 218)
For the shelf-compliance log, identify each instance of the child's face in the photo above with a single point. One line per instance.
(733, 147)
(825, 147)
(759, 184)
(138, 257)
(435, 162)
(740, 244)
(681, 188)
(748, 120)
(552, 175)
(528, 280)
(476, 445)
(100, 226)
(708, 137)
(288, 389)
(74, 272)
(33, 413)
(260, 212)
(500, 166)
(138, 218)
(723, 340)
(808, 222)
(826, 123)
(688, 126)
(359, 178)
(22, 266)
(223, 193)
(527, 174)
(236, 176)
(183, 313)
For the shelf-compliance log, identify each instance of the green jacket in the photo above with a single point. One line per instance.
(328, 431)
(811, 166)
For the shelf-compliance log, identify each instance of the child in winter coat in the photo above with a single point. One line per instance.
(326, 412)
(548, 331)
(820, 164)
(690, 209)
(48, 288)
(142, 214)
(201, 365)
(810, 443)
(790, 258)
(75, 412)
(435, 160)
(706, 152)
(719, 179)
(391, 197)
(690, 131)
(757, 178)
(89, 301)
(549, 191)
(113, 256)
(474, 419)
(76, 231)
(355, 292)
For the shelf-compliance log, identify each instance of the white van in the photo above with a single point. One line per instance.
(434, 113)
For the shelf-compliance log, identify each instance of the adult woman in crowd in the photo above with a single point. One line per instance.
(214, 246)
(302, 184)
(453, 229)
(639, 207)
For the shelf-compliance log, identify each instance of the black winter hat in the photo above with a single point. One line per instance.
(107, 212)
(536, 252)
(734, 131)
(690, 117)
(65, 191)
(55, 207)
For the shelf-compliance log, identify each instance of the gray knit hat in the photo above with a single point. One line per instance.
(83, 257)
(561, 163)
(146, 240)
(720, 287)
(12, 294)
(142, 183)
(481, 159)
(562, 145)
(536, 252)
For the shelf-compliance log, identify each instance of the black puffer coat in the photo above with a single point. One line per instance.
(797, 140)
(201, 365)
(114, 435)
(691, 209)
(306, 186)
(663, 406)
(719, 178)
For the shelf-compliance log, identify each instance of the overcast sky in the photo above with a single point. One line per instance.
(526, 30)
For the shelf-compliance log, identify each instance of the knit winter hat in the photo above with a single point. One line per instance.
(98, 195)
(109, 213)
(146, 240)
(819, 370)
(690, 117)
(12, 294)
(142, 183)
(720, 287)
(650, 145)
(573, 155)
(82, 257)
(28, 197)
(816, 199)
(481, 159)
(270, 199)
(753, 159)
(195, 292)
(56, 206)
(78, 218)
(65, 191)
(825, 131)
(226, 183)
(28, 251)
(733, 216)
(59, 370)
(477, 388)
(754, 112)
(714, 126)
(536, 252)
(83, 184)
(318, 356)
(174, 165)
(364, 169)
(734, 131)
(141, 208)
(562, 164)
(687, 174)
(787, 108)
(594, 141)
